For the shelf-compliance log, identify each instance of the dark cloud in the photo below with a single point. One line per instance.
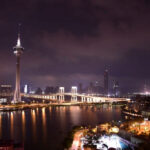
(71, 41)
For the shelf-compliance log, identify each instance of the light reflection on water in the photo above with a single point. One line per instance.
(44, 123)
(0, 126)
(12, 124)
(23, 124)
(33, 124)
(46, 128)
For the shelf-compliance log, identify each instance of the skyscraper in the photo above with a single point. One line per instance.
(106, 82)
(26, 89)
(80, 88)
(116, 89)
(18, 50)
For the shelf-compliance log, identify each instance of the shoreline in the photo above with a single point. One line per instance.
(17, 107)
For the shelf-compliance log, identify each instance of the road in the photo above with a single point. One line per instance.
(76, 145)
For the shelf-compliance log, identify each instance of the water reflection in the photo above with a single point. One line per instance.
(75, 114)
(23, 124)
(50, 109)
(44, 123)
(12, 125)
(0, 126)
(37, 111)
(62, 115)
(51, 124)
(33, 115)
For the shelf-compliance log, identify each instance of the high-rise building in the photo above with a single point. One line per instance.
(98, 89)
(80, 87)
(116, 89)
(26, 89)
(146, 91)
(6, 93)
(18, 50)
(6, 89)
(90, 88)
(106, 84)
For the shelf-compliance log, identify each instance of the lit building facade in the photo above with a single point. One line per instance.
(6, 89)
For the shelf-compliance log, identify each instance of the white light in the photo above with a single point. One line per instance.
(111, 141)
(146, 92)
(74, 87)
(61, 89)
(26, 88)
(18, 41)
(108, 95)
(128, 99)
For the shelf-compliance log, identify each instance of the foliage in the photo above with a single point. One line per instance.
(69, 139)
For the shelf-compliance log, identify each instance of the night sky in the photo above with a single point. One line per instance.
(72, 41)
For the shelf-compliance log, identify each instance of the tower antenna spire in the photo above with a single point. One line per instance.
(19, 28)
(18, 40)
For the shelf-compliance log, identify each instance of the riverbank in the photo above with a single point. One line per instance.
(23, 106)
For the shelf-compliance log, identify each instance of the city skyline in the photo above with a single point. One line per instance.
(74, 74)
(68, 48)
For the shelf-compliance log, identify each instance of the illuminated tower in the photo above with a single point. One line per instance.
(18, 50)
(106, 82)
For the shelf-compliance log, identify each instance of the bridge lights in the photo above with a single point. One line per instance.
(61, 94)
(61, 90)
(74, 90)
(74, 93)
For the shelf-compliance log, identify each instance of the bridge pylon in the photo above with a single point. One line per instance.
(83, 99)
(61, 95)
(74, 94)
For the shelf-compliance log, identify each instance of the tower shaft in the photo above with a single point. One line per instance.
(17, 95)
